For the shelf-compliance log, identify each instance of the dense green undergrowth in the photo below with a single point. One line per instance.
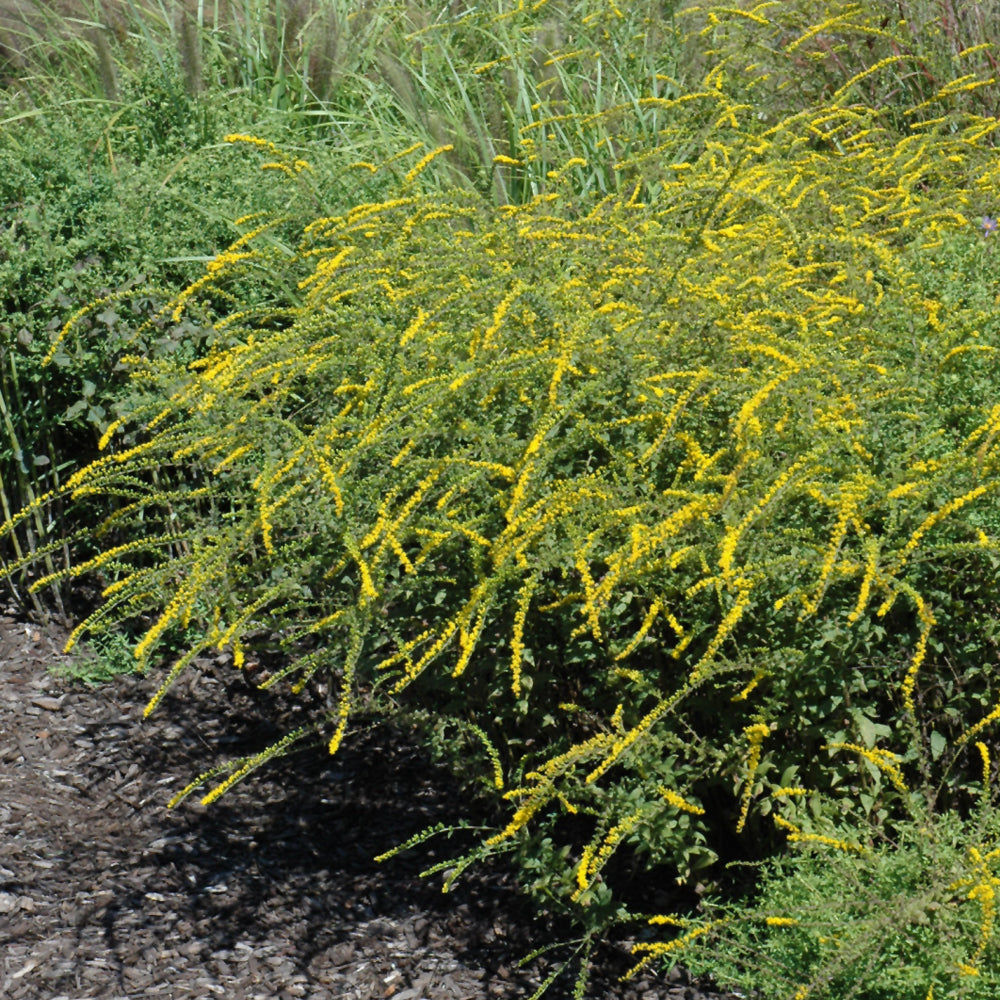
(121, 209)
(663, 494)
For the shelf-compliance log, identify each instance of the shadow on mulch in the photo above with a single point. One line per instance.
(271, 892)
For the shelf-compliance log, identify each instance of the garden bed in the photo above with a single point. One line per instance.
(270, 893)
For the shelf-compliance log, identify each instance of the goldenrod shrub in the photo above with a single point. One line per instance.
(656, 501)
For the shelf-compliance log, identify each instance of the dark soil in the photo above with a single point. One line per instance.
(271, 892)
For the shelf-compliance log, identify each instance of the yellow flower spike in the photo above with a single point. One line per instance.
(413, 670)
(783, 824)
(231, 633)
(413, 501)
(325, 270)
(622, 744)
(789, 792)
(106, 437)
(870, 547)
(233, 456)
(647, 624)
(517, 637)
(170, 614)
(726, 626)
(346, 700)
(755, 735)
(673, 416)
(64, 332)
(939, 515)
(886, 761)
(593, 861)
(414, 328)
(175, 671)
(467, 639)
(590, 606)
(983, 892)
(976, 729)
(750, 407)
(850, 497)
(616, 719)
(403, 653)
(658, 949)
(675, 800)
(731, 538)
(858, 77)
(424, 161)
(517, 494)
(583, 868)
(249, 765)
(521, 818)
(837, 845)
(750, 688)
(503, 307)
(494, 757)
(984, 753)
(400, 553)
(402, 453)
(919, 654)
(252, 140)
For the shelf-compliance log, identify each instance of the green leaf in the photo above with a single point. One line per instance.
(867, 729)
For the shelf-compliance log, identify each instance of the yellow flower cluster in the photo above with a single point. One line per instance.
(594, 857)
(797, 835)
(978, 727)
(346, 700)
(851, 496)
(659, 949)
(680, 803)
(885, 760)
(517, 633)
(982, 884)
(755, 735)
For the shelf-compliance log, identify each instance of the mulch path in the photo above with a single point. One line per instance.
(271, 892)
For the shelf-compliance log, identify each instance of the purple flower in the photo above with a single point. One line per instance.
(989, 225)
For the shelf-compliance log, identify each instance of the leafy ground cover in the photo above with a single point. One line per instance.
(632, 429)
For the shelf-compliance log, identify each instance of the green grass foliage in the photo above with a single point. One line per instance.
(535, 84)
(667, 501)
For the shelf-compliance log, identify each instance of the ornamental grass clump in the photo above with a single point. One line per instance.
(656, 498)
(900, 58)
(515, 90)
